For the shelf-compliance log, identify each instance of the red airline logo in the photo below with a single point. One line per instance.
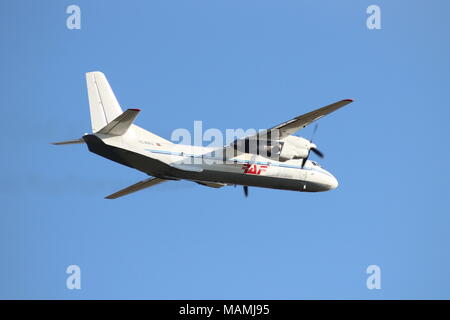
(254, 168)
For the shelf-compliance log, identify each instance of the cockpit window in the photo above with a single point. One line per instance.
(315, 164)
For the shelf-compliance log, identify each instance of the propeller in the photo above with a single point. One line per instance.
(317, 152)
(312, 147)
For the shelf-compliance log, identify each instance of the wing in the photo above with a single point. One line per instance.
(211, 184)
(292, 126)
(136, 187)
(282, 130)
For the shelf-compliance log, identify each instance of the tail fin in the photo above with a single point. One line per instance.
(107, 116)
(103, 104)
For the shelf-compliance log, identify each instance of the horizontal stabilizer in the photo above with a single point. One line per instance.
(136, 187)
(76, 141)
(120, 125)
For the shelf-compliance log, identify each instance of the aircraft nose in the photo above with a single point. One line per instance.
(332, 182)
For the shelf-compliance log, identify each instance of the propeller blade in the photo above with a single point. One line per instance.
(314, 133)
(246, 191)
(304, 160)
(317, 152)
(313, 148)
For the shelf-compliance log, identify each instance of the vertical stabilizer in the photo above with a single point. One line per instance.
(103, 104)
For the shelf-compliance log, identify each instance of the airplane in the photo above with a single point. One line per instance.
(272, 158)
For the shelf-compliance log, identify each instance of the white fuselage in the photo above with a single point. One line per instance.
(200, 164)
(271, 158)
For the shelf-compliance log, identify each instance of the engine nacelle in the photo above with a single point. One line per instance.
(293, 147)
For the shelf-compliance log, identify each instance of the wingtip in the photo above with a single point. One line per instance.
(348, 100)
(135, 109)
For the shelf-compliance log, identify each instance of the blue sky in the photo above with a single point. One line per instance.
(231, 64)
